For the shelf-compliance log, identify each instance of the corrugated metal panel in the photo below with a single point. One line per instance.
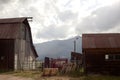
(112, 42)
(9, 31)
(90, 44)
(12, 20)
(101, 40)
(117, 40)
(9, 27)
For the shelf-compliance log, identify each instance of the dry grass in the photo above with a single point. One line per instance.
(36, 75)
(26, 74)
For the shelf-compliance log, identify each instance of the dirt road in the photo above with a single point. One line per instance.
(10, 77)
(57, 78)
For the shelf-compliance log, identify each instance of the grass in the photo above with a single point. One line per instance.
(26, 74)
(79, 75)
(100, 77)
(76, 75)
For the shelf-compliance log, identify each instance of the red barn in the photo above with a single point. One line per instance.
(101, 53)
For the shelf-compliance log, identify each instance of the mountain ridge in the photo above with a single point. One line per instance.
(58, 48)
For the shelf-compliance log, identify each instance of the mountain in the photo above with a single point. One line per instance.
(58, 48)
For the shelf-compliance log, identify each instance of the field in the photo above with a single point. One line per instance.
(35, 75)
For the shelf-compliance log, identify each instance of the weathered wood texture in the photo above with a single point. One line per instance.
(94, 53)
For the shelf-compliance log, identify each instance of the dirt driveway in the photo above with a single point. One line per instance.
(57, 78)
(10, 77)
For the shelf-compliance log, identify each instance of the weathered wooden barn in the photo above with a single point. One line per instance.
(101, 53)
(17, 51)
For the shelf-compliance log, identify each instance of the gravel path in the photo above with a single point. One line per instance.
(10, 77)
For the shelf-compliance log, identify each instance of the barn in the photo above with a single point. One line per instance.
(17, 51)
(101, 53)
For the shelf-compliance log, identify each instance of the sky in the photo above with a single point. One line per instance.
(62, 19)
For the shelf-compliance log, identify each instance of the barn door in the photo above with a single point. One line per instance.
(6, 55)
(2, 61)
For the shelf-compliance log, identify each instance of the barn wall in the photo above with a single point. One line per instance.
(20, 49)
(24, 55)
(95, 62)
(30, 52)
(29, 57)
(33, 59)
(19, 54)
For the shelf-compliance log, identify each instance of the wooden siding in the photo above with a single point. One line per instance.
(24, 57)
(19, 54)
(95, 62)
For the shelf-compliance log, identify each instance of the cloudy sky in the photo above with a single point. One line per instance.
(61, 19)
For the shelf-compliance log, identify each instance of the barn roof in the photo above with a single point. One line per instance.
(104, 40)
(12, 20)
(9, 28)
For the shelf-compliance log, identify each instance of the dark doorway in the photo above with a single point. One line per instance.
(6, 54)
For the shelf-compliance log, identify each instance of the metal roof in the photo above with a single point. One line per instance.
(9, 31)
(12, 20)
(104, 40)
(9, 27)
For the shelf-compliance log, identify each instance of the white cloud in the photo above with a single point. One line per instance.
(101, 20)
(59, 19)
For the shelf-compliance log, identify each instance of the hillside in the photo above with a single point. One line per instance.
(58, 48)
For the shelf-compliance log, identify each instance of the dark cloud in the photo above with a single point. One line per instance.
(102, 19)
